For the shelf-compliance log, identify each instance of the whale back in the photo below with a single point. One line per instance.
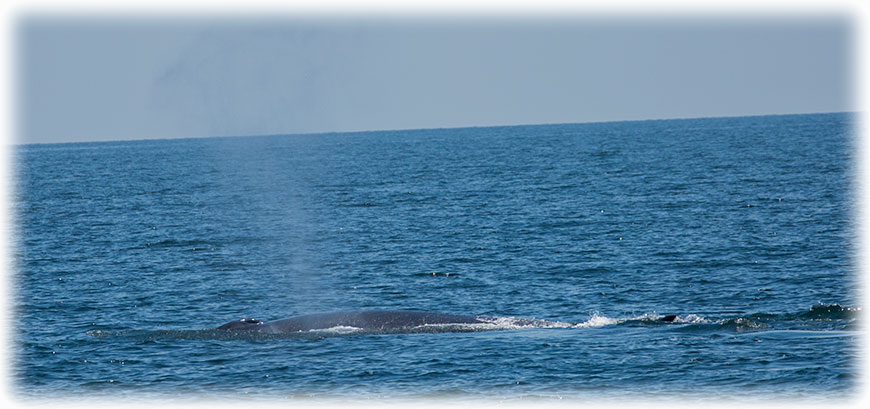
(367, 320)
(244, 324)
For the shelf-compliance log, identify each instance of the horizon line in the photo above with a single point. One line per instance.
(14, 144)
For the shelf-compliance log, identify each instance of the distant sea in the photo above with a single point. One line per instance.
(127, 253)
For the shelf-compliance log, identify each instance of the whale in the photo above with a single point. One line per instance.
(365, 320)
(378, 322)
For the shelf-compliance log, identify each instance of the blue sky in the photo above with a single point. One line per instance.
(93, 79)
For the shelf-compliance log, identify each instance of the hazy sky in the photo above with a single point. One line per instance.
(110, 79)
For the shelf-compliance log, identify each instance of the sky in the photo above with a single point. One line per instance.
(117, 78)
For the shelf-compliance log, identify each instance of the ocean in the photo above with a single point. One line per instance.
(574, 239)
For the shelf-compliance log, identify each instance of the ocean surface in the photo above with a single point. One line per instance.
(574, 239)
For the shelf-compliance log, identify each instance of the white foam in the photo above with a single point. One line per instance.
(522, 323)
(339, 329)
(644, 317)
(691, 319)
(597, 320)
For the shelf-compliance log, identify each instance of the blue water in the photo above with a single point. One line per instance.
(128, 252)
